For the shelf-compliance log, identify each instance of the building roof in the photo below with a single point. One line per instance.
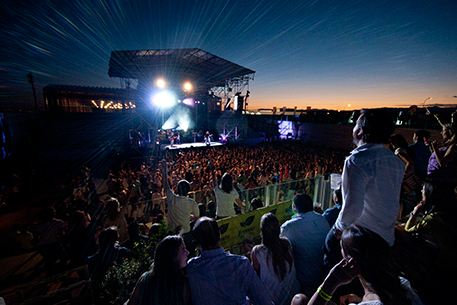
(205, 68)
(84, 89)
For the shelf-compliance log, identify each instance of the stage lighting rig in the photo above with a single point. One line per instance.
(160, 83)
(187, 86)
(164, 99)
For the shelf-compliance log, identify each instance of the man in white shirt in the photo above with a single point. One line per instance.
(371, 183)
(181, 209)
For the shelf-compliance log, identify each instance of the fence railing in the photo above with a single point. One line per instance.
(318, 188)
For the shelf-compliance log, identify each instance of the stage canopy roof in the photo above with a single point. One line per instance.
(207, 69)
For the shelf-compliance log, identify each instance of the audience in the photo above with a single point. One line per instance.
(331, 214)
(226, 197)
(371, 183)
(410, 179)
(366, 256)
(420, 153)
(114, 217)
(165, 283)
(442, 165)
(134, 236)
(109, 253)
(229, 276)
(433, 221)
(306, 232)
(217, 277)
(274, 262)
(50, 233)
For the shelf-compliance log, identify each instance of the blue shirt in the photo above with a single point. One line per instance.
(419, 153)
(306, 232)
(331, 214)
(218, 277)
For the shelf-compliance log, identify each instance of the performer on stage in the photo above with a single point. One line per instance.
(172, 137)
(208, 138)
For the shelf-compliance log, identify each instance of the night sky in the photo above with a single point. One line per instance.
(323, 54)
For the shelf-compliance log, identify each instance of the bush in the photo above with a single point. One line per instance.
(120, 279)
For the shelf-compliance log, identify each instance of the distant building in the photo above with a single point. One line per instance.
(65, 98)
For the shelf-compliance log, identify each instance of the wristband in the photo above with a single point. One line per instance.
(323, 294)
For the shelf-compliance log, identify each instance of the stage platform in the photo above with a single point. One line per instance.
(188, 145)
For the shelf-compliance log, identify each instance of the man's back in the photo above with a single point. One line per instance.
(420, 154)
(371, 186)
(217, 277)
(306, 232)
(179, 210)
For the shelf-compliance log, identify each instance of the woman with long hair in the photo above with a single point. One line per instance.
(434, 219)
(366, 255)
(115, 217)
(226, 196)
(442, 164)
(274, 262)
(165, 283)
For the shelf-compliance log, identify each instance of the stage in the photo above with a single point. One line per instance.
(188, 145)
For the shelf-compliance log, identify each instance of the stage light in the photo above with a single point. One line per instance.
(187, 86)
(164, 99)
(189, 101)
(160, 83)
(184, 126)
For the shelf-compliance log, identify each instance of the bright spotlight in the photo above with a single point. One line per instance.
(184, 126)
(164, 99)
(160, 83)
(187, 86)
(189, 101)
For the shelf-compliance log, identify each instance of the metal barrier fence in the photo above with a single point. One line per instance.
(318, 188)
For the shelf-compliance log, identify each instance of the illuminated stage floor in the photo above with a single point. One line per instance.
(188, 145)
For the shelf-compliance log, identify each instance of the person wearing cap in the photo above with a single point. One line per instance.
(306, 232)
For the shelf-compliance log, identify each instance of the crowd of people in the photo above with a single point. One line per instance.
(356, 252)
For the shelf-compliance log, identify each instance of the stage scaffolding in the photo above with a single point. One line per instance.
(221, 85)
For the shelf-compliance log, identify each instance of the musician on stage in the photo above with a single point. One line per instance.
(207, 138)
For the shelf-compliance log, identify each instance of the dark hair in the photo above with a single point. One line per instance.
(303, 203)
(211, 205)
(439, 198)
(339, 195)
(256, 203)
(372, 253)
(133, 229)
(202, 209)
(183, 188)
(279, 248)
(189, 177)
(112, 208)
(227, 183)
(206, 232)
(399, 140)
(165, 283)
(108, 238)
(377, 125)
(421, 134)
